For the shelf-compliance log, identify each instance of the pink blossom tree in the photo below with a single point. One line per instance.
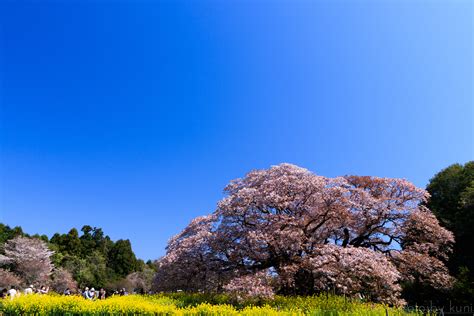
(61, 279)
(192, 249)
(29, 258)
(141, 280)
(351, 235)
(8, 279)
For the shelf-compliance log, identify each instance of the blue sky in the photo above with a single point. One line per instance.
(133, 115)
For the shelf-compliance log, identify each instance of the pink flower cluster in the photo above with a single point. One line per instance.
(250, 286)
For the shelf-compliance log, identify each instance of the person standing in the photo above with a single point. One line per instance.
(102, 294)
(85, 294)
(12, 292)
(92, 294)
(44, 290)
(29, 290)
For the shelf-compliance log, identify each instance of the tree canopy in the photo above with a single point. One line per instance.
(308, 233)
(452, 200)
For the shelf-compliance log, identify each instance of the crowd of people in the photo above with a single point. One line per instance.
(14, 292)
(90, 294)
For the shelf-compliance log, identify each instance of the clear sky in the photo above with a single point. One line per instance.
(133, 115)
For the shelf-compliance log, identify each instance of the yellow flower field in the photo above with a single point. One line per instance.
(170, 305)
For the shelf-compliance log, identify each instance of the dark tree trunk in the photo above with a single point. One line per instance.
(304, 282)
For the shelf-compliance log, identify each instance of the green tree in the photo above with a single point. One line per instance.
(452, 201)
(7, 233)
(93, 238)
(70, 243)
(122, 259)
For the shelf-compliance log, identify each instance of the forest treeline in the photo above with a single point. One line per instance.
(91, 256)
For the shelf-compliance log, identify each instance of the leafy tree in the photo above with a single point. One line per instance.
(81, 270)
(89, 271)
(41, 237)
(93, 239)
(69, 243)
(452, 201)
(7, 233)
(122, 259)
(151, 264)
(311, 233)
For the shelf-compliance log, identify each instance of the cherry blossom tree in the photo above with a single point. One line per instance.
(192, 249)
(61, 279)
(351, 235)
(29, 258)
(141, 280)
(8, 279)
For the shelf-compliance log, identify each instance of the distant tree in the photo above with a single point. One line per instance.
(350, 235)
(41, 237)
(29, 258)
(61, 279)
(7, 233)
(117, 284)
(81, 270)
(93, 238)
(68, 243)
(8, 279)
(89, 271)
(151, 264)
(122, 259)
(141, 281)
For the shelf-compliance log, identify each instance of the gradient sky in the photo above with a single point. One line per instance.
(133, 115)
